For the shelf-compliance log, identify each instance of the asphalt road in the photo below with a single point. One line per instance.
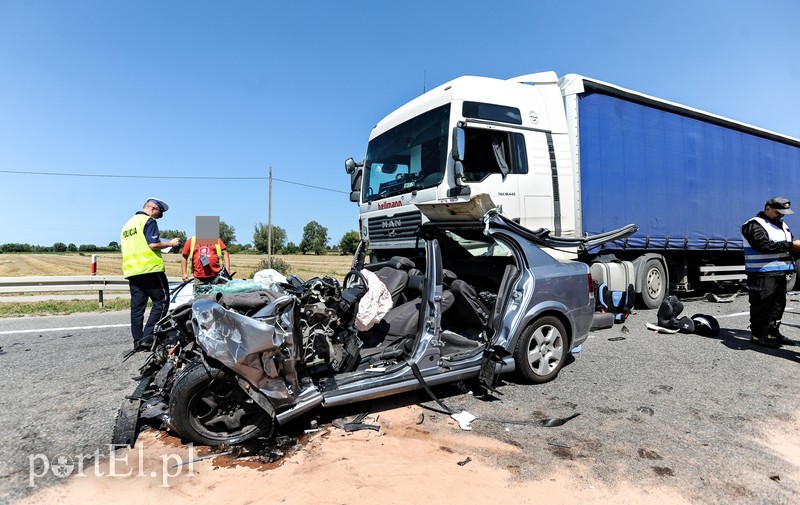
(687, 412)
(62, 382)
(683, 411)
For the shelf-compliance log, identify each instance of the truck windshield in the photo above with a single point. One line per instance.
(410, 156)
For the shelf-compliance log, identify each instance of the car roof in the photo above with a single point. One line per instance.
(541, 237)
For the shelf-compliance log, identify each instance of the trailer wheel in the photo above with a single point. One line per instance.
(792, 278)
(208, 407)
(654, 284)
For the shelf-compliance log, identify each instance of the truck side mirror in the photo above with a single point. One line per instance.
(458, 171)
(459, 146)
(350, 165)
(355, 186)
(459, 143)
(459, 150)
(354, 169)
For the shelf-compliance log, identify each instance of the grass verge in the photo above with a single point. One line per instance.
(60, 307)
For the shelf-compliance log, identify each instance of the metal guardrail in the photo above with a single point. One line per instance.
(45, 284)
(63, 283)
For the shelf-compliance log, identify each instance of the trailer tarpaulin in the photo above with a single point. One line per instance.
(685, 182)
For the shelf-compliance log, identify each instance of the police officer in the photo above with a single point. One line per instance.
(143, 267)
(768, 247)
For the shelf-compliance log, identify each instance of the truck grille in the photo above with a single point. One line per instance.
(400, 226)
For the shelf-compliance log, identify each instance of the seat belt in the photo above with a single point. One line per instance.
(421, 379)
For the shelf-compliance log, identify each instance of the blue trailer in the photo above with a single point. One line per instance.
(687, 178)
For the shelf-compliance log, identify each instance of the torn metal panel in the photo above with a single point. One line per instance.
(472, 210)
(258, 349)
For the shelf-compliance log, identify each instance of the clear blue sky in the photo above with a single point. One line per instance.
(201, 88)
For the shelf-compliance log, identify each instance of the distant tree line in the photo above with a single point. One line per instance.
(58, 247)
(315, 241)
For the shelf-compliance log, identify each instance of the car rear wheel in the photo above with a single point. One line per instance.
(541, 350)
(208, 407)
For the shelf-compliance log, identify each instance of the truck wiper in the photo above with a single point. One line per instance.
(389, 194)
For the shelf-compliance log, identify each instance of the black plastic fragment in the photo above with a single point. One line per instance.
(349, 427)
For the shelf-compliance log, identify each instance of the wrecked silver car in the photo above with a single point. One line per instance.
(479, 299)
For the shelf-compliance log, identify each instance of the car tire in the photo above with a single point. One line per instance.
(653, 283)
(208, 407)
(541, 351)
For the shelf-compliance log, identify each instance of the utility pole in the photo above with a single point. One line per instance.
(269, 221)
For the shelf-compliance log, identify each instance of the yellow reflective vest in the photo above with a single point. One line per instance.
(137, 257)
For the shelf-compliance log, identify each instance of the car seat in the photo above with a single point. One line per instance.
(394, 274)
(470, 310)
(671, 307)
(402, 321)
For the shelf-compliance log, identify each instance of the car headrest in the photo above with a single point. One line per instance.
(415, 283)
(400, 263)
(416, 278)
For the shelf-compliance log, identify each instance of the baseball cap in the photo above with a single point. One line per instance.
(161, 203)
(780, 204)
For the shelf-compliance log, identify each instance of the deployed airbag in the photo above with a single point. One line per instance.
(375, 303)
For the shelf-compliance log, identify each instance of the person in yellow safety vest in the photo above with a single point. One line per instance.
(768, 247)
(144, 268)
(207, 257)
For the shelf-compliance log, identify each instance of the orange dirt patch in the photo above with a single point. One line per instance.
(400, 464)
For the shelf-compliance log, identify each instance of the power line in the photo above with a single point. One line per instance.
(111, 176)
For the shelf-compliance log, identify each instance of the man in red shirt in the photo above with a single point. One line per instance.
(205, 258)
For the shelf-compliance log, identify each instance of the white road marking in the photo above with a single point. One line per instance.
(737, 314)
(12, 332)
